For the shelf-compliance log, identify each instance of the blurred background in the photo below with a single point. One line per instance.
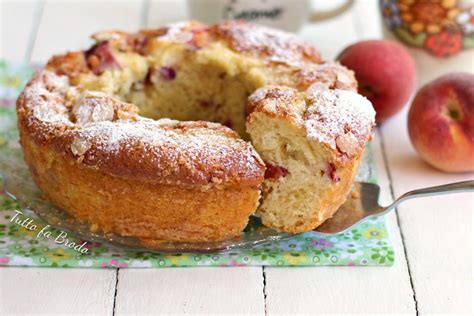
(32, 31)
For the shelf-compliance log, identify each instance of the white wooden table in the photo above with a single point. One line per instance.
(432, 236)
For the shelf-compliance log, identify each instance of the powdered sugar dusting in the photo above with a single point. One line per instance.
(277, 46)
(178, 32)
(46, 99)
(175, 148)
(162, 151)
(339, 118)
(114, 136)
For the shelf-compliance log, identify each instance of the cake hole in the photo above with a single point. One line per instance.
(194, 91)
(288, 151)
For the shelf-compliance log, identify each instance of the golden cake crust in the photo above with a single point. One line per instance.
(132, 147)
(271, 46)
(343, 129)
(148, 211)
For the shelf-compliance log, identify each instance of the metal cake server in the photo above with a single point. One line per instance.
(363, 204)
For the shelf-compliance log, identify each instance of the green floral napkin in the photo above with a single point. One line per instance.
(366, 244)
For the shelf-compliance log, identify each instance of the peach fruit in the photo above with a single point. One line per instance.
(441, 122)
(385, 72)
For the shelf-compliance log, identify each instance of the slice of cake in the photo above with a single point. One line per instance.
(312, 143)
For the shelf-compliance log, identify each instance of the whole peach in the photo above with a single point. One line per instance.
(385, 72)
(441, 122)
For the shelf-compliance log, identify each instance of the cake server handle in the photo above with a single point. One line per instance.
(456, 187)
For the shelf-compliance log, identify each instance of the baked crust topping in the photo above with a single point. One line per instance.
(99, 130)
(341, 119)
(104, 133)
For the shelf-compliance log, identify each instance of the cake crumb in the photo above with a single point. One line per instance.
(355, 194)
(94, 228)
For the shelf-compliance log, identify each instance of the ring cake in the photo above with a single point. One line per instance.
(125, 136)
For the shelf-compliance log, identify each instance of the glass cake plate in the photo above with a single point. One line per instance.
(19, 185)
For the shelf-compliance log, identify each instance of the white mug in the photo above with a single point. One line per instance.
(289, 15)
